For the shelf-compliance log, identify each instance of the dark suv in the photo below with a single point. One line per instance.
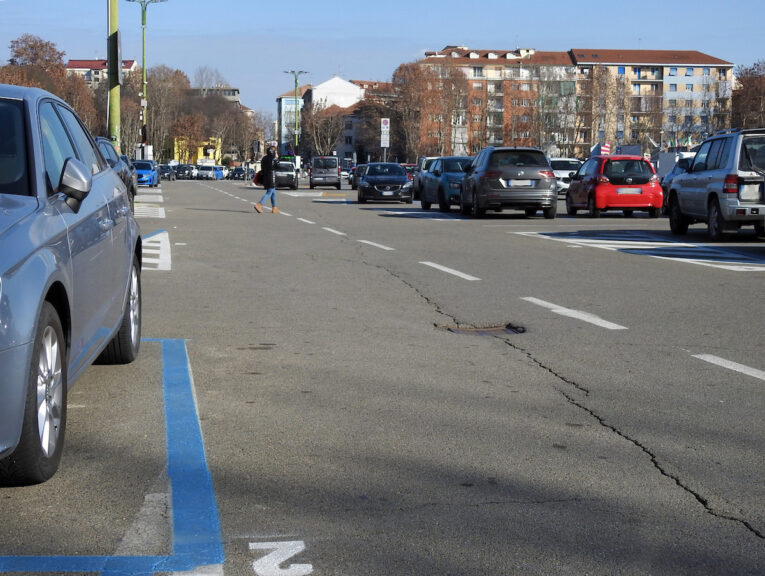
(724, 185)
(515, 178)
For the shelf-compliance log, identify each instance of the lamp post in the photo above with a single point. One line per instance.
(144, 99)
(296, 74)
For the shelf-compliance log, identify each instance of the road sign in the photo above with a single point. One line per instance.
(385, 140)
(385, 125)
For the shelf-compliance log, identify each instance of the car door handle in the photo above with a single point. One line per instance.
(106, 224)
(123, 211)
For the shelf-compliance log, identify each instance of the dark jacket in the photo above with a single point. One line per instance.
(268, 175)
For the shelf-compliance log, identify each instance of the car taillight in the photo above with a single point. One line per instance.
(603, 179)
(730, 185)
(547, 173)
(492, 174)
(654, 179)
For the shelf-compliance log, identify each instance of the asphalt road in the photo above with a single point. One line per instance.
(378, 390)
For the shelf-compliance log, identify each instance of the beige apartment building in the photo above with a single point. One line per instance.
(569, 102)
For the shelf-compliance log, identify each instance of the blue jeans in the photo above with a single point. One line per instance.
(270, 193)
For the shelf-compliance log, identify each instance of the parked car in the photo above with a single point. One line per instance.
(148, 172)
(681, 166)
(441, 182)
(236, 173)
(206, 172)
(358, 173)
(286, 177)
(70, 273)
(117, 164)
(723, 185)
(618, 182)
(324, 171)
(508, 177)
(167, 172)
(185, 172)
(423, 163)
(384, 181)
(410, 170)
(133, 174)
(564, 168)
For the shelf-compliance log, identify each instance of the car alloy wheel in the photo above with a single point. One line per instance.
(715, 221)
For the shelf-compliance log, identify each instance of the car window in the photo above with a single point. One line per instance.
(386, 170)
(588, 168)
(713, 161)
(568, 165)
(700, 162)
(107, 151)
(14, 178)
(752, 153)
(456, 164)
(502, 158)
(626, 168)
(57, 147)
(143, 165)
(82, 141)
(436, 165)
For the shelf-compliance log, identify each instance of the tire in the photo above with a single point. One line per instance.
(550, 212)
(759, 229)
(715, 222)
(425, 204)
(627, 213)
(123, 348)
(654, 212)
(464, 208)
(443, 203)
(38, 453)
(311, 186)
(338, 185)
(360, 198)
(678, 222)
(570, 210)
(591, 209)
(475, 210)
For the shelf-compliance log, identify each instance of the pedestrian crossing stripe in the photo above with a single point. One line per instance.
(156, 252)
(644, 244)
(149, 211)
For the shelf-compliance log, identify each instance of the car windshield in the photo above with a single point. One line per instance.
(627, 168)
(426, 163)
(385, 170)
(325, 163)
(501, 158)
(565, 165)
(285, 167)
(13, 164)
(456, 164)
(142, 165)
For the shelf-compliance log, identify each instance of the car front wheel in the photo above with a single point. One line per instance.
(678, 223)
(715, 221)
(38, 453)
(570, 210)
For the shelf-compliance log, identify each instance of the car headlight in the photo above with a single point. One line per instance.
(406, 186)
(455, 184)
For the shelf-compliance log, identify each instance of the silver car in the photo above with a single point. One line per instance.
(724, 185)
(70, 265)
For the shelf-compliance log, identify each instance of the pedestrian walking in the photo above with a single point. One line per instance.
(268, 179)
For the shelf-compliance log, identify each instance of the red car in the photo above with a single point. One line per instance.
(619, 182)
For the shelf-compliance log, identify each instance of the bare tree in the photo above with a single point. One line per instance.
(206, 77)
(416, 108)
(749, 96)
(322, 127)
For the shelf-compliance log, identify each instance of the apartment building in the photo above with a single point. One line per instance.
(96, 71)
(568, 102)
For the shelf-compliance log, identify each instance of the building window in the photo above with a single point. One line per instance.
(722, 72)
(349, 125)
(477, 101)
(689, 71)
(673, 87)
(477, 71)
(673, 71)
(688, 119)
(477, 85)
(672, 118)
(636, 72)
(525, 102)
(636, 89)
(349, 140)
(525, 87)
(620, 71)
(620, 134)
(689, 87)
(672, 103)
(706, 71)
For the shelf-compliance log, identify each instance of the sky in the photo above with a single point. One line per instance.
(252, 42)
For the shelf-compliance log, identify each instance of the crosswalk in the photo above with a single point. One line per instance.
(646, 244)
(156, 252)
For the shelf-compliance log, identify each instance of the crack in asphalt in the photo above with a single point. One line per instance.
(573, 401)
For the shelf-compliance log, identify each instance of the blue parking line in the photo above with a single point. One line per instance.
(155, 233)
(196, 528)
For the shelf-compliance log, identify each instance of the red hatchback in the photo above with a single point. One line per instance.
(625, 183)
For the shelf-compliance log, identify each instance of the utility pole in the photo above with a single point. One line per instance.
(114, 67)
(296, 74)
(144, 97)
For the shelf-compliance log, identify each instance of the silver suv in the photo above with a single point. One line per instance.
(724, 185)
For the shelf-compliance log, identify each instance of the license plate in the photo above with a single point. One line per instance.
(519, 183)
(629, 191)
(387, 193)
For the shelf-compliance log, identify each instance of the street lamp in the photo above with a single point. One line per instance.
(144, 100)
(296, 74)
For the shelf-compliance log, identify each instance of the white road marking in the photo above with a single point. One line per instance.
(584, 316)
(149, 198)
(451, 271)
(376, 245)
(156, 252)
(335, 231)
(282, 551)
(306, 221)
(735, 366)
(149, 211)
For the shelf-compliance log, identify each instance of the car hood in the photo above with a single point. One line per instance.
(13, 209)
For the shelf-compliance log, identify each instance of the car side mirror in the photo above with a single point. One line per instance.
(683, 164)
(436, 172)
(571, 174)
(76, 182)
